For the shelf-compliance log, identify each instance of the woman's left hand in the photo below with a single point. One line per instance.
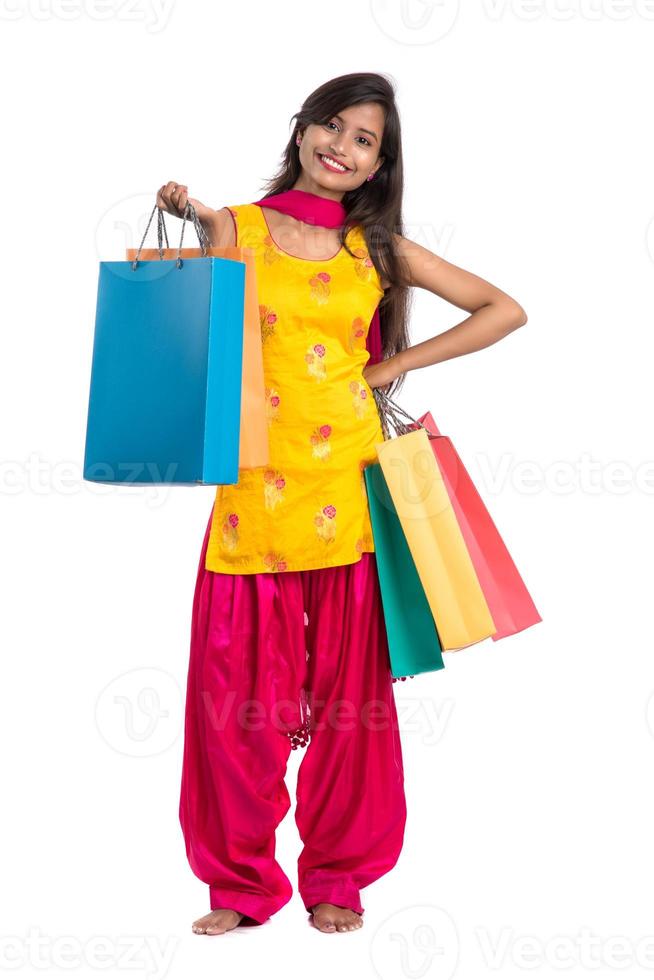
(382, 374)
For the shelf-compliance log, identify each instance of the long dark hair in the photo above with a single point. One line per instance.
(376, 205)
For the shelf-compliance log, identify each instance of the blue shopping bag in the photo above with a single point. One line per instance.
(165, 391)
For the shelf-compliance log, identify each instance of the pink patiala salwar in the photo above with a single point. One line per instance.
(277, 660)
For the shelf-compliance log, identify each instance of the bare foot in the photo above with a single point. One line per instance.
(217, 922)
(333, 918)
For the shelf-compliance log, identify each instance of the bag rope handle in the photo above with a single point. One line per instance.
(390, 413)
(190, 214)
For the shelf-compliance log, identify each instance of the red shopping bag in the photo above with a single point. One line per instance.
(510, 604)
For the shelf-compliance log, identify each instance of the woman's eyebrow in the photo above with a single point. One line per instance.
(361, 129)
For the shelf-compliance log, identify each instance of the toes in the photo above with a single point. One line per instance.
(208, 926)
(346, 926)
(338, 924)
(324, 925)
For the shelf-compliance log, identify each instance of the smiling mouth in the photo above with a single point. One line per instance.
(330, 164)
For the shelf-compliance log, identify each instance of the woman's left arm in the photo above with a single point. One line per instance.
(493, 314)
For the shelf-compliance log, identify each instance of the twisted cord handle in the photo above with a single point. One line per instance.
(189, 215)
(390, 414)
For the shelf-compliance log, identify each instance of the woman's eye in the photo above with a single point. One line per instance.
(366, 141)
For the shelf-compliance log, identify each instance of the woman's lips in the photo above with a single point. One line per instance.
(333, 170)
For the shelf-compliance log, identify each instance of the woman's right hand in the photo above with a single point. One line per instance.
(173, 197)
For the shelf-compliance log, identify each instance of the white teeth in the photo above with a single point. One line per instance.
(333, 163)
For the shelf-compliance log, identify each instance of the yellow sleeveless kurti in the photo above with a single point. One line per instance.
(309, 507)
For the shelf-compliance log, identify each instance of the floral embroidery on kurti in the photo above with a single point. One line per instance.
(315, 361)
(319, 439)
(273, 488)
(272, 404)
(363, 264)
(230, 532)
(274, 562)
(358, 334)
(320, 287)
(268, 319)
(306, 505)
(325, 523)
(270, 253)
(359, 398)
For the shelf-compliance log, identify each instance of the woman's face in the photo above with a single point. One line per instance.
(351, 138)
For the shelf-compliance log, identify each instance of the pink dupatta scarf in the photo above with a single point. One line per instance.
(316, 210)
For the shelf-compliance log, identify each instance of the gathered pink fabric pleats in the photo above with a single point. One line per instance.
(280, 659)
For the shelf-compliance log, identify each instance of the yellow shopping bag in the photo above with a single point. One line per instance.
(434, 537)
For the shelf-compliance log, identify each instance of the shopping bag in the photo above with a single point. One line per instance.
(165, 391)
(413, 643)
(509, 602)
(511, 605)
(433, 535)
(254, 449)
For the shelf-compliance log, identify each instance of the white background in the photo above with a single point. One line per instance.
(528, 150)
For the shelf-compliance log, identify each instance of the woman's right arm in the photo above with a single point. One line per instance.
(218, 224)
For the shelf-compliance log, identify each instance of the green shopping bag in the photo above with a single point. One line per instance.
(413, 641)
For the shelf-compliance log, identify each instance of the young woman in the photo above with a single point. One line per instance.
(288, 644)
